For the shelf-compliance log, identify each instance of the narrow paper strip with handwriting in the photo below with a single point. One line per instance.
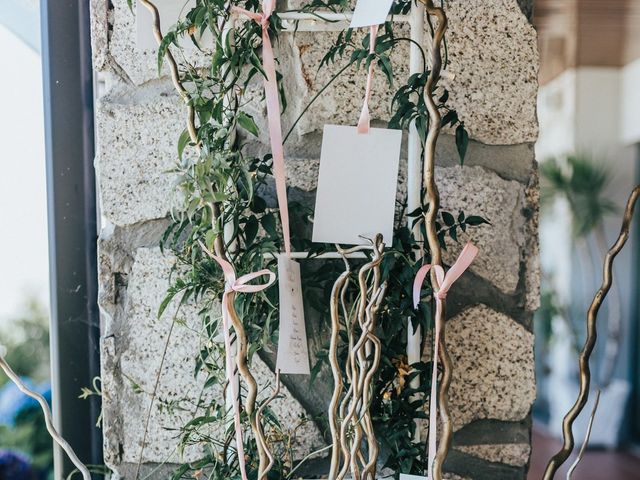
(293, 353)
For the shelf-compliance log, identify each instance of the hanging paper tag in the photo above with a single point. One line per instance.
(293, 353)
(357, 185)
(405, 476)
(370, 12)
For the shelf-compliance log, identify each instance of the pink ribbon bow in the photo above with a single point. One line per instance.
(444, 281)
(273, 112)
(364, 123)
(240, 285)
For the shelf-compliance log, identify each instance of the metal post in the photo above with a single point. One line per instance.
(69, 140)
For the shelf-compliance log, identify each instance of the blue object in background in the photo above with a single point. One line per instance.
(13, 402)
(15, 466)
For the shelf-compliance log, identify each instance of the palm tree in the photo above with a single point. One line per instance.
(582, 183)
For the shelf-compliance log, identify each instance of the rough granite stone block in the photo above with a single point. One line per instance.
(132, 354)
(491, 49)
(137, 131)
(493, 59)
(493, 376)
(516, 454)
(480, 192)
(494, 56)
(134, 64)
(132, 351)
(532, 249)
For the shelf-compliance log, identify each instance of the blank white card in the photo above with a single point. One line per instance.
(370, 12)
(356, 185)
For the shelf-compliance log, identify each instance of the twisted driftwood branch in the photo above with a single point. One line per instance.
(585, 443)
(433, 200)
(592, 316)
(337, 293)
(274, 395)
(264, 455)
(349, 417)
(48, 418)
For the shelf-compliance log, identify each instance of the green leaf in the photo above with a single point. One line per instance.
(250, 229)
(268, 222)
(258, 205)
(246, 121)
(462, 142)
(183, 141)
(450, 118)
(461, 221)
(165, 302)
(210, 238)
(248, 184)
(167, 40)
(421, 128)
(475, 220)
(453, 233)
(449, 219)
(415, 213)
(441, 239)
(387, 68)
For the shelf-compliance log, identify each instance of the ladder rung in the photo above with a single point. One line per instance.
(322, 256)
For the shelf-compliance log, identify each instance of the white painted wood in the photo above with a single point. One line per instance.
(323, 21)
(323, 256)
(414, 172)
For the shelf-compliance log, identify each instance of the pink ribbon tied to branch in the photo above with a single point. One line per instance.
(273, 112)
(444, 283)
(237, 285)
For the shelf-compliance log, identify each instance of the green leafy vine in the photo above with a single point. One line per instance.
(224, 198)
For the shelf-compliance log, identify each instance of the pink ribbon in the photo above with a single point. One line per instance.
(444, 283)
(273, 112)
(364, 123)
(239, 285)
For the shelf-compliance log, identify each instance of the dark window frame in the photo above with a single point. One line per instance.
(72, 220)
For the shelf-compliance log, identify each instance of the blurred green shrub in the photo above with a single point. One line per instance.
(24, 342)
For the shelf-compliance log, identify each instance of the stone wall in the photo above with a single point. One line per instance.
(493, 59)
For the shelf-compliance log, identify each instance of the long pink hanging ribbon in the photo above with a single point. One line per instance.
(364, 123)
(240, 285)
(273, 113)
(445, 281)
